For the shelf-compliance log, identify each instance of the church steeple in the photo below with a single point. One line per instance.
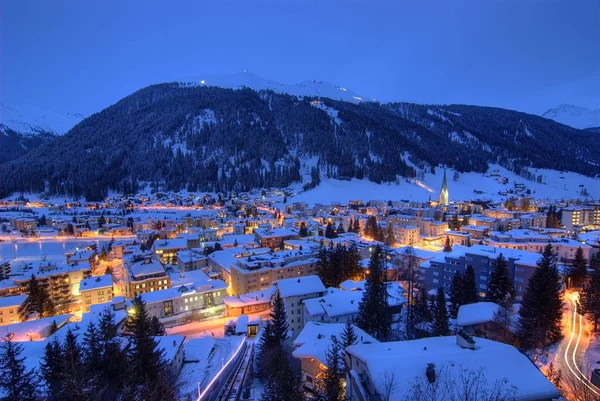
(444, 191)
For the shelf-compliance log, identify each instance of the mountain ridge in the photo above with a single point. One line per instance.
(198, 137)
(575, 116)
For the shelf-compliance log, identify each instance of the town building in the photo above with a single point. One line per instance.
(13, 309)
(96, 290)
(145, 276)
(312, 346)
(441, 360)
(295, 290)
(273, 237)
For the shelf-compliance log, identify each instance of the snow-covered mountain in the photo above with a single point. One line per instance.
(574, 116)
(306, 88)
(35, 120)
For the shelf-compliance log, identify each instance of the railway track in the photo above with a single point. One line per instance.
(232, 390)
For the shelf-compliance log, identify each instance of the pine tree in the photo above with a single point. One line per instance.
(329, 231)
(595, 261)
(103, 254)
(52, 370)
(454, 223)
(440, 317)
(469, 286)
(500, 285)
(374, 315)
(447, 246)
(590, 299)
(348, 336)
(577, 270)
(43, 220)
(17, 383)
(35, 301)
(356, 227)
(73, 369)
(303, 232)
(541, 308)
(101, 221)
(279, 320)
(48, 309)
(145, 359)
(324, 269)
(422, 309)
(390, 237)
(157, 328)
(340, 228)
(456, 294)
(332, 385)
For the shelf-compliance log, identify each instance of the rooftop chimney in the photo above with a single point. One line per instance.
(464, 340)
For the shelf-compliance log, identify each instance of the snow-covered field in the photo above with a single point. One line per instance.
(555, 185)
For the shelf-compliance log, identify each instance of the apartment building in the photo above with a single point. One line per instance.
(273, 237)
(12, 309)
(579, 218)
(258, 272)
(439, 271)
(96, 290)
(201, 299)
(407, 235)
(145, 276)
(189, 260)
(295, 290)
(533, 241)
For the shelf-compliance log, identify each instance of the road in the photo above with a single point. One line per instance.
(576, 341)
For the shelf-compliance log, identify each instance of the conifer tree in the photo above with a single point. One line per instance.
(145, 359)
(390, 237)
(17, 383)
(541, 308)
(456, 294)
(340, 228)
(348, 336)
(156, 327)
(590, 299)
(374, 315)
(73, 369)
(35, 301)
(469, 286)
(332, 385)
(329, 231)
(447, 246)
(43, 220)
(422, 309)
(356, 227)
(577, 270)
(52, 370)
(500, 285)
(48, 309)
(440, 317)
(303, 232)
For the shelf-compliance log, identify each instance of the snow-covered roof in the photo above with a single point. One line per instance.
(172, 293)
(170, 344)
(408, 360)
(146, 268)
(22, 331)
(477, 313)
(93, 283)
(15, 300)
(315, 339)
(335, 303)
(291, 287)
(251, 298)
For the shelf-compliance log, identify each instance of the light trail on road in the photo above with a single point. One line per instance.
(577, 373)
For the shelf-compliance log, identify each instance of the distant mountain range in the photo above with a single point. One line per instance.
(575, 116)
(23, 128)
(200, 137)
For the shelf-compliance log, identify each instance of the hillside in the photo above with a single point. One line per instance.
(575, 116)
(196, 137)
(23, 128)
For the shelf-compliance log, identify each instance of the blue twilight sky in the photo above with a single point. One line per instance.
(81, 56)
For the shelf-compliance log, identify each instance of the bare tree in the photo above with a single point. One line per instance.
(388, 384)
(460, 384)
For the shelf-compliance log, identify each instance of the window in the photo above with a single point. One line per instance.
(11, 311)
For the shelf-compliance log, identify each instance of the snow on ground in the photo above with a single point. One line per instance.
(591, 358)
(204, 358)
(555, 185)
(32, 120)
(313, 88)
(574, 116)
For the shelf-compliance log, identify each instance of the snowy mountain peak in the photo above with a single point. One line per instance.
(314, 88)
(574, 116)
(34, 120)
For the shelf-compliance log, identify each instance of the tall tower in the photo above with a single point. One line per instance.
(444, 191)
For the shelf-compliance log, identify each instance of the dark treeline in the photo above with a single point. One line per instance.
(214, 139)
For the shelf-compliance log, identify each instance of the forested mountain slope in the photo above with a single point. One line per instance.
(209, 138)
